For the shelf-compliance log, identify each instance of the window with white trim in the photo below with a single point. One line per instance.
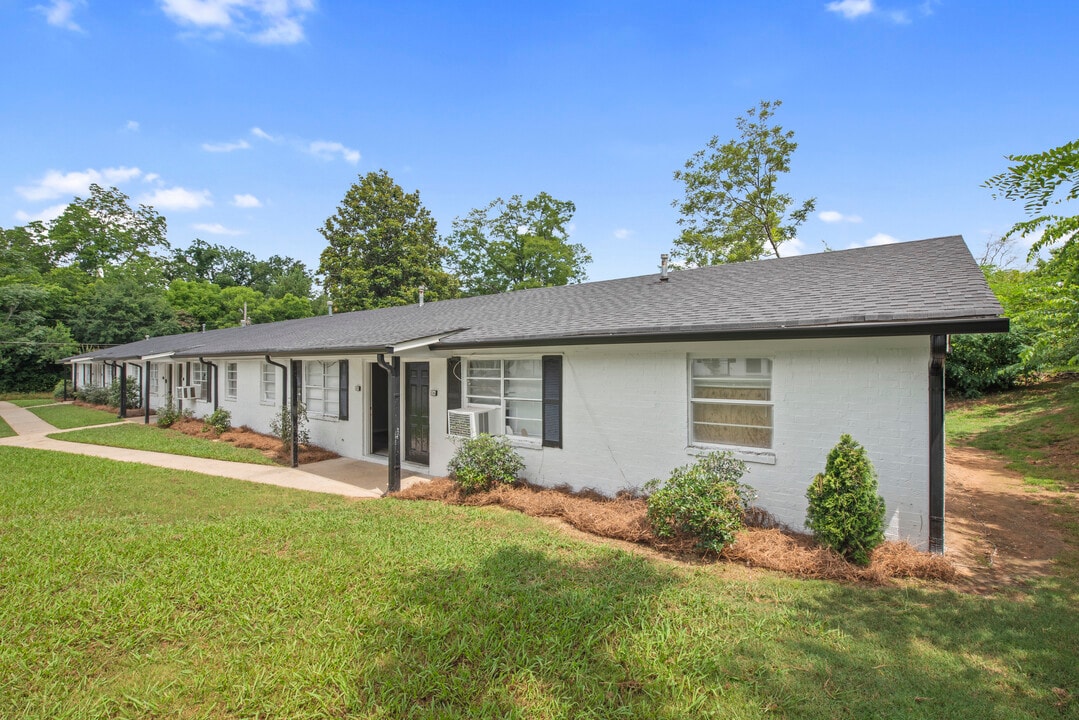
(321, 386)
(199, 375)
(731, 402)
(516, 386)
(231, 380)
(268, 394)
(155, 379)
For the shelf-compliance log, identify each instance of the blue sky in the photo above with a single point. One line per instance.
(244, 122)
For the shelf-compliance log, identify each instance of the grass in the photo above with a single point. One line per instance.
(5, 429)
(73, 416)
(15, 396)
(149, 437)
(132, 591)
(33, 402)
(1033, 428)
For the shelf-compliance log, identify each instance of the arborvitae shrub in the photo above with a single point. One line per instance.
(845, 511)
(482, 461)
(704, 500)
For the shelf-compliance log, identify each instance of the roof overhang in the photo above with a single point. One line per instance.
(157, 356)
(416, 343)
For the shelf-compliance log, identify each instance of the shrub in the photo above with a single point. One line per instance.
(113, 398)
(167, 414)
(281, 426)
(983, 363)
(220, 420)
(92, 395)
(704, 500)
(845, 511)
(482, 461)
(58, 391)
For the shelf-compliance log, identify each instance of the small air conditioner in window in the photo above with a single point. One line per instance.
(469, 422)
(187, 392)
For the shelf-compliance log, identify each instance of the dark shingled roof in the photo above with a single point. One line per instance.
(922, 287)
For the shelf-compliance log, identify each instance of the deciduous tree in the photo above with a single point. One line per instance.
(732, 210)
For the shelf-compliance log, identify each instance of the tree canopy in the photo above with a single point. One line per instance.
(383, 245)
(514, 244)
(732, 210)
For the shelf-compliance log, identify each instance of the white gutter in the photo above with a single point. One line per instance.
(158, 356)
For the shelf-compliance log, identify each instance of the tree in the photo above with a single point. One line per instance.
(119, 309)
(732, 211)
(382, 246)
(516, 244)
(1051, 308)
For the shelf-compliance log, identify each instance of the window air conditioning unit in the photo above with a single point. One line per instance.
(469, 422)
(187, 392)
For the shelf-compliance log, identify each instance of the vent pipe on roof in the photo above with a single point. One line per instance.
(245, 322)
(422, 289)
(663, 267)
(204, 327)
(329, 307)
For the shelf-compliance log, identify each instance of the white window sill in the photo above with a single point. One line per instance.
(524, 442)
(229, 399)
(749, 455)
(324, 418)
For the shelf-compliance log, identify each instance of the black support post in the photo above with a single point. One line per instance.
(938, 349)
(294, 415)
(123, 390)
(393, 369)
(146, 393)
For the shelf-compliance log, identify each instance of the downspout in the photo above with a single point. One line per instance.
(938, 350)
(393, 369)
(285, 406)
(213, 387)
(123, 390)
(146, 393)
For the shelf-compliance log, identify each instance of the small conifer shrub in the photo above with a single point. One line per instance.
(845, 512)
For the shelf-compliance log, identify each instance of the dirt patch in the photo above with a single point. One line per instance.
(624, 519)
(245, 437)
(997, 532)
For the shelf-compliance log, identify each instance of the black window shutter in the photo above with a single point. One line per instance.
(453, 383)
(552, 401)
(342, 388)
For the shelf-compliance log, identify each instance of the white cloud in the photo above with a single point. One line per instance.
(831, 216)
(622, 233)
(327, 150)
(878, 239)
(151, 177)
(59, 13)
(50, 213)
(246, 201)
(269, 22)
(523, 229)
(132, 126)
(794, 246)
(899, 17)
(226, 147)
(262, 134)
(177, 198)
(57, 184)
(851, 9)
(217, 229)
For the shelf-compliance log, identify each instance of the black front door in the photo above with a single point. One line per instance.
(417, 412)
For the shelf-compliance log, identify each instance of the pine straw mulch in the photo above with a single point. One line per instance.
(763, 545)
(245, 437)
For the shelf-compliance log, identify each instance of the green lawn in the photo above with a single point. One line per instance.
(16, 396)
(133, 591)
(73, 416)
(1035, 428)
(33, 402)
(5, 429)
(150, 437)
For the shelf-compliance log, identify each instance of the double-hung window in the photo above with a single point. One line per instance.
(322, 388)
(231, 380)
(199, 374)
(155, 379)
(516, 386)
(268, 392)
(731, 402)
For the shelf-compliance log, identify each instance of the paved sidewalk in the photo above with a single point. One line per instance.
(32, 432)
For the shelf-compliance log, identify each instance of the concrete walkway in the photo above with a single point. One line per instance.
(340, 476)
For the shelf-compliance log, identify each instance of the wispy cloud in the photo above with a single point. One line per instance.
(56, 184)
(246, 201)
(329, 150)
(44, 215)
(177, 198)
(851, 9)
(132, 126)
(59, 13)
(226, 147)
(262, 134)
(267, 22)
(831, 216)
(216, 229)
(622, 233)
(878, 239)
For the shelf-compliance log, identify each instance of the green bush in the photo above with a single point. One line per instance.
(984, 363)
(281, 426)
(704, 500)
(167, 413)
(845, 511)
(482, 461)
(220, 420)
(133, 394)
(92, 395)
(58, 391)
